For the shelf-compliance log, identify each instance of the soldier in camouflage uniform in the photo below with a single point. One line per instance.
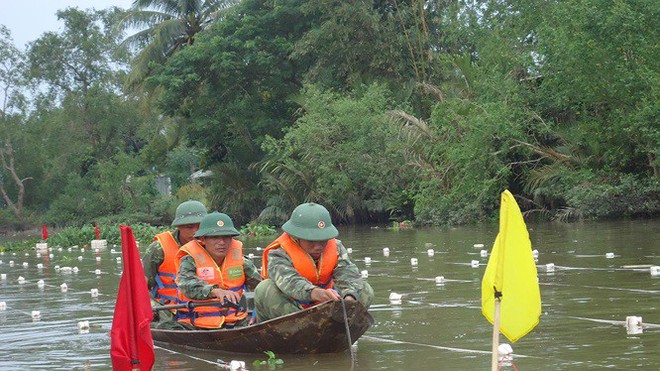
(215, 236)
(186, 221)
(309, 233)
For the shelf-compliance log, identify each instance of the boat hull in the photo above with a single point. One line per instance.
(319, 329)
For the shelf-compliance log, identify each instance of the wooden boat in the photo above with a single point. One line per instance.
(319, 329)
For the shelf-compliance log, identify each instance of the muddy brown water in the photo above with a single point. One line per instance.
(585, 303)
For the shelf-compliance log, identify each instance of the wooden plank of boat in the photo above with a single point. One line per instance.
(319, 329)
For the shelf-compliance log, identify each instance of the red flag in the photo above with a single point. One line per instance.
(44, 232)
(131, 345)
(97, 232)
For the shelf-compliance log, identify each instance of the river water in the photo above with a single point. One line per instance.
(585, 304)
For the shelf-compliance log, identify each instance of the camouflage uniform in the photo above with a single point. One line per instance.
(277, 295)
(153, 258)
(194, 288)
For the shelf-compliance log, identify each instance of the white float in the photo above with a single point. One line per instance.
(386, 251)
(3, 305)
(349, 250)
(98, 258)
(38, 255)
(609, 255)
(36, 314)
(25, 264)
(21, 280)
(11, 263)
(237, 365)
(251, 255)
(535, 253)
(83, 325)
(57, 267)
(634, 325)
(75, 269)
(258, 248)
(413, 261)
(80, 258)
(655, 270)
(94, 292)
(430, 252)
(64, 287)
(41, 284)
(478, 245)
(40, 266)
(51, 255)
(439, 280)
(550, 267)
(97, 272)
(484, 253)
(3, 276)
(367, 260)
(364, 274)
(474, 264)
(119, 259)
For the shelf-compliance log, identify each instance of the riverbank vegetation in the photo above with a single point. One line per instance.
(381, 110)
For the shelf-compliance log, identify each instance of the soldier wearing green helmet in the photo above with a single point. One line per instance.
(212, 267)
(307, 265)
(158, 260)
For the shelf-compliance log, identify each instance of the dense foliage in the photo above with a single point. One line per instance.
(402, 110)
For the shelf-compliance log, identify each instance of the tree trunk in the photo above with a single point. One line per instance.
(7, 157)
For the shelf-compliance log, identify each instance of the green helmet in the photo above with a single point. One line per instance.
(216, 224)
(189, 212)
(310, 222)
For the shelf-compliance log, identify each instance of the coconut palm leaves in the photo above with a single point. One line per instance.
(170, 26)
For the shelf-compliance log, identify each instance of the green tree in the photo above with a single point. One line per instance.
(170, 25)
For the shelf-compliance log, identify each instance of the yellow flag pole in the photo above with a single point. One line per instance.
(496, 335)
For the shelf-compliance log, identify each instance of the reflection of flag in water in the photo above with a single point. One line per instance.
(131, 345)
(511, 273)
(97, 232)
(44, 232)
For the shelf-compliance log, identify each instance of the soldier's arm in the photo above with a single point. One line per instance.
(188, 282)
(286, 278)
(252, 275)
(152, 259)
(347, 277)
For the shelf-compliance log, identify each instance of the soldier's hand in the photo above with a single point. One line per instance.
(349, 298)
(319, 294)
(226, 295)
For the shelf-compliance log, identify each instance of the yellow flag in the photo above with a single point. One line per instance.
(512, 272)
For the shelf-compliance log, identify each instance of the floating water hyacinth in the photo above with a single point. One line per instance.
(82, 250)
(59, 249)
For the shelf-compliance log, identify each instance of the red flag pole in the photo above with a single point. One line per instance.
(44, 232)
(131, 345)
(97, 231)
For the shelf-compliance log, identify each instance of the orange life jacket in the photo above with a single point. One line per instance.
(320, 274)
(229, 276)
(166, 289)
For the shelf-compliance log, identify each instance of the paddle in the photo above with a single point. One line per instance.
(193, 304)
